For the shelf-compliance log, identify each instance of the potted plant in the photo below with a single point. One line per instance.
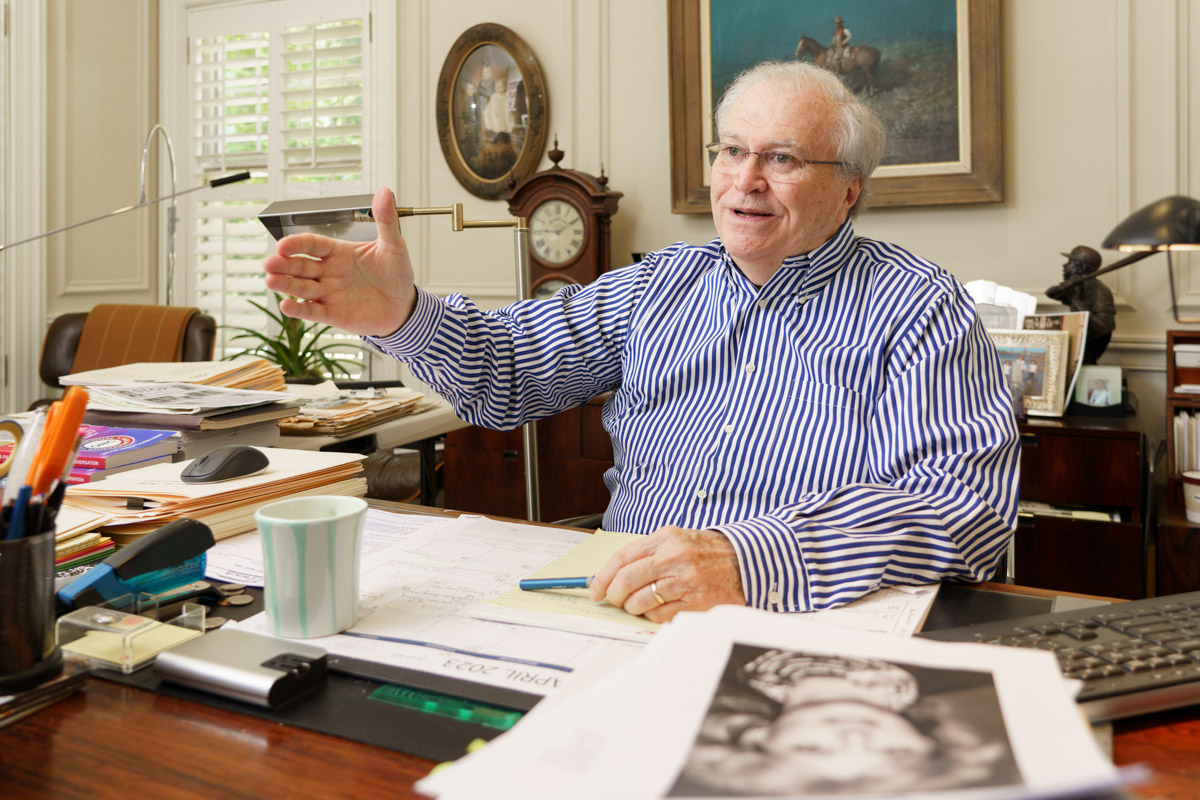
(296, 348)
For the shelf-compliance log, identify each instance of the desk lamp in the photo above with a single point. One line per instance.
(1170, 224)
(143, 202)
(350, 218)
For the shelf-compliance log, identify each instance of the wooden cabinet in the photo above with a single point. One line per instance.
(484, 470)
(1088, 462)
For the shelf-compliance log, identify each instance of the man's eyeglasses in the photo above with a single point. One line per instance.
(777, 165)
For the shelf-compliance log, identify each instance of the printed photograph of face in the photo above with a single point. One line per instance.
(783, 722)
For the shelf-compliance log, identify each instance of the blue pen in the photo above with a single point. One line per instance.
(534, 584)
(16, 525)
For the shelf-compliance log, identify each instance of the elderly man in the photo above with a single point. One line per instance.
(799, 415)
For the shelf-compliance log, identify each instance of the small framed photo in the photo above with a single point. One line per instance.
(1037, 362)
(1099, 387)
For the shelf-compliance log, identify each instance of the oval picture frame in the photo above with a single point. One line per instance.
(491, 110)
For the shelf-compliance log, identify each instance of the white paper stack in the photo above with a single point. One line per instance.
(143, 500)
(739, 702)
(240, 373)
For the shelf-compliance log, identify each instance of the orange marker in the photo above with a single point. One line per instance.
(58, 442)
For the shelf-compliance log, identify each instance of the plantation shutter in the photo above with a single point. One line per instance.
(276, 89)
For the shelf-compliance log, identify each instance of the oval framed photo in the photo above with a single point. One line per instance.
(492, 110)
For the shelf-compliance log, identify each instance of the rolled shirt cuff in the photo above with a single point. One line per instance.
(418, 331)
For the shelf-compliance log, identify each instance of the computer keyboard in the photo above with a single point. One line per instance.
(1134, 658)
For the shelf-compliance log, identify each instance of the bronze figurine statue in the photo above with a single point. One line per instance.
(1083, 292)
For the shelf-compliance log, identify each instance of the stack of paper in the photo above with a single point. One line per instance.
(143, 500)
(326, 409)
(242, 373)
(740, 702)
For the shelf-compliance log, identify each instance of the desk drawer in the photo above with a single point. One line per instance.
(1103, 558)
(1083, 470)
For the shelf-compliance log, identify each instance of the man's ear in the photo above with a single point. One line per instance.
(853, 190)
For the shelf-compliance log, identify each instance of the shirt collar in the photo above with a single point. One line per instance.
(810, 271)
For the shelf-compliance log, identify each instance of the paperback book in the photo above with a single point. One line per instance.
(105, 447)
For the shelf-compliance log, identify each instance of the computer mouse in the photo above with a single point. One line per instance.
(225, 463)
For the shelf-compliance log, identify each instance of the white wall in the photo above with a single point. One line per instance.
(1101, 116)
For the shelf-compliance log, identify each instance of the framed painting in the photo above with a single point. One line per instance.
(929, 68)
(1035, 364)
(492, 110)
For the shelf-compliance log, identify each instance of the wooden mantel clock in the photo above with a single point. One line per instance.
(569, 215)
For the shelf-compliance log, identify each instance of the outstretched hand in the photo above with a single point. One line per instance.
(691, 570)
(360, 287)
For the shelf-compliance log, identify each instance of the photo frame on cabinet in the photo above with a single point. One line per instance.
(492, 110)
(1037, 361)
(959, 106)
(1099, 387)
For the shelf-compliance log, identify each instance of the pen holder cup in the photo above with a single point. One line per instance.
(28, 653)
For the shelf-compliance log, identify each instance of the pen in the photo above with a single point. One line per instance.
(534, 584)
(22, 456)
(16, 525)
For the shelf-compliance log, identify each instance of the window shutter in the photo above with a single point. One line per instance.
(276, 89)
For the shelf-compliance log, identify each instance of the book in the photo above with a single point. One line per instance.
(105, 447)
(79, 475)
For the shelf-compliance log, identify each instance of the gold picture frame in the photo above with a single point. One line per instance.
(976, 178)
(492, 110)
(1038, 361)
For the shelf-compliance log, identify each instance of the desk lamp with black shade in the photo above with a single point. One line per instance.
(351, 218)
(1170, 224)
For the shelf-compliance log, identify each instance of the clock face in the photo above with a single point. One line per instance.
(548, 286)
(556, 232)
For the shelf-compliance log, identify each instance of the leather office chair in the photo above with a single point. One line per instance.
(62, 340)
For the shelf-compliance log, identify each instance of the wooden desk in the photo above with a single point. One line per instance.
(115, 741)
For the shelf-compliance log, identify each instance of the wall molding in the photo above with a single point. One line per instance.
(25, 167)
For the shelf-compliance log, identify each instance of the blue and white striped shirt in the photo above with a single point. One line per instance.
(846, 426)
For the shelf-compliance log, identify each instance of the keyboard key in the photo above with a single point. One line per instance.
(1081, 633)
(1166, 637)
(1136, 665)
(1185, 645)
(1135, 622)
(1048, 628)
(1158, 627)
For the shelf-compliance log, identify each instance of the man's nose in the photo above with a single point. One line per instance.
(751, 176)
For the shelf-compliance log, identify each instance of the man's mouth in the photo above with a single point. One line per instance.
(747, 213)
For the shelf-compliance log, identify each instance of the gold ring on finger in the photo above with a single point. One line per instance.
(654, 591)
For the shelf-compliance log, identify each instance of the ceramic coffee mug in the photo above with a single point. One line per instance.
(13, 429)
(311, 548)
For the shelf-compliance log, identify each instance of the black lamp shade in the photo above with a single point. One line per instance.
(1172, 223)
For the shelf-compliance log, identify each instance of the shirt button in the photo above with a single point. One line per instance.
(773, 598)
(729, 428)
(762, 304)
(749, 368)
(701, 494)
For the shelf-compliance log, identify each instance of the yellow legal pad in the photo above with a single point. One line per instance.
(584, 559)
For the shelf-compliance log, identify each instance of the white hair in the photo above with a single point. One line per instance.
(858, 136)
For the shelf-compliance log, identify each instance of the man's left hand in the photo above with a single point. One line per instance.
(691, 571)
